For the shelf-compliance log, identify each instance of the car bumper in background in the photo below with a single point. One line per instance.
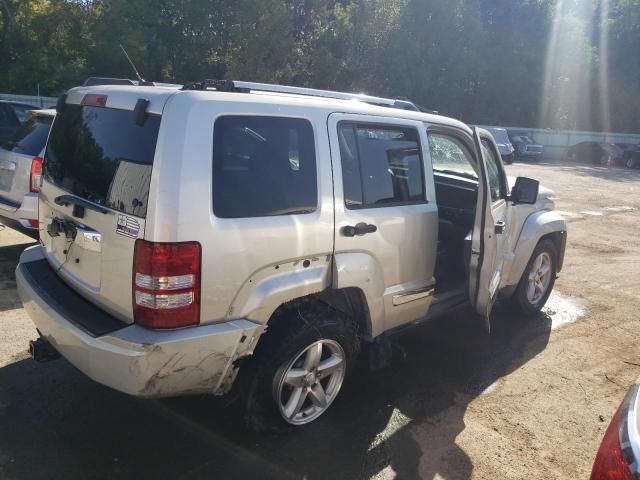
(508, 157)
(127, 357)
(22, 217)
(529, 153)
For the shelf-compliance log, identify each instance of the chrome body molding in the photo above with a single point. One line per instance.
(403, 298)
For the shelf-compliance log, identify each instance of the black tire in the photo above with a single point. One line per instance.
(290, 332)
(520, 300)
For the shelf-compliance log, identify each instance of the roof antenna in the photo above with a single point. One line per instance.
(141, 81)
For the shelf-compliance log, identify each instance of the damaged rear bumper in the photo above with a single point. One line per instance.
(138, 361)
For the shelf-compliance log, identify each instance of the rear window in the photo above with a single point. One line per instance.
(100, 154)
(263, 166)
(30, 138)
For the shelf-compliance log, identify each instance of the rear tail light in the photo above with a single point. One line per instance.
(616, 453)
(33, 223)
(166, 284)
(36, 175)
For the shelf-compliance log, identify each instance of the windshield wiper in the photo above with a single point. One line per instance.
(455, 172)
(79, 205)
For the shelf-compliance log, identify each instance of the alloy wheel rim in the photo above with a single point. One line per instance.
(305, 387)
(539, 278)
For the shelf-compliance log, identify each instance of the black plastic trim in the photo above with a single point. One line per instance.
(66, 302)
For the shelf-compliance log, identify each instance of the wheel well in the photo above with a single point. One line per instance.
(350, 301)
(558, 239)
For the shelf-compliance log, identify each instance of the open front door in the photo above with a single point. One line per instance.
(490, 225)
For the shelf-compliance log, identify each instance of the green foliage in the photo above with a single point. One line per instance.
(548, 63)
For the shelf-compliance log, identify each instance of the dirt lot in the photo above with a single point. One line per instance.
(530, 401)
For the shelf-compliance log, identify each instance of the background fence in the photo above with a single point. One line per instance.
(42, 102)
(556, 142)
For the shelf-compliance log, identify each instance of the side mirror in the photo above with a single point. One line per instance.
(525, 191)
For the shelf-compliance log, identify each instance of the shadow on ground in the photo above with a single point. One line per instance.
(56, 423)
(9, 256)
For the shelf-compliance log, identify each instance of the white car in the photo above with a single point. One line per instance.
(21, 171)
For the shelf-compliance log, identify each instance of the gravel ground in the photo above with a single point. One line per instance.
(530, 401)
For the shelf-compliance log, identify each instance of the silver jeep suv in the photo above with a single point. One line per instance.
(257, 234)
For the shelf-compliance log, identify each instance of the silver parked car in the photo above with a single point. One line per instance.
(21, 171)
(232, 233)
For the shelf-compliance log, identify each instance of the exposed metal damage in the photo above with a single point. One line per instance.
(194, 371)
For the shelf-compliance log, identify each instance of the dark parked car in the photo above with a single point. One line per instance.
(601, 153)
(617, 458)
(630, 156)
(525, 148)
(12, 115)
(507, 152)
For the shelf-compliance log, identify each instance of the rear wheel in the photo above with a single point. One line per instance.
(305, 387)
(538, 278)
(299, 367)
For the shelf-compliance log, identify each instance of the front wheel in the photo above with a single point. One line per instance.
(538, 279)
(299, 367)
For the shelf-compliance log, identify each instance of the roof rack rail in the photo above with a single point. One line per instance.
(246, 87)
(220, 85)
(95, 81)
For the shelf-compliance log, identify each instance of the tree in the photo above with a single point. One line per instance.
(547, 63)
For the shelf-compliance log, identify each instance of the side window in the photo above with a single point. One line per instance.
(381, 165)
(263, 166)
(449, 155)
(493, 169)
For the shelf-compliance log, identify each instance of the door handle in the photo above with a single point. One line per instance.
(359, 230)
(500, 227)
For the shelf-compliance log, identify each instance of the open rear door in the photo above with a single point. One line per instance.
(485, 270)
